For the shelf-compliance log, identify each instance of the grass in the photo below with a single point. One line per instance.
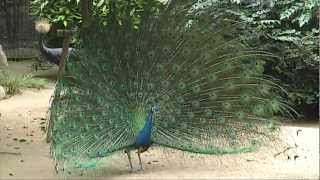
(14, 83)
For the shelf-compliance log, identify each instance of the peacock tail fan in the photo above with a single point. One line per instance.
(212, 94)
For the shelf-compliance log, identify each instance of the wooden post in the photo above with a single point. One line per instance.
(67, 34)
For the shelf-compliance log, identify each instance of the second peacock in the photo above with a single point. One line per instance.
(181, 79)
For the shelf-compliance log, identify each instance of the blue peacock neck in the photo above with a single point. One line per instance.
(143, 137)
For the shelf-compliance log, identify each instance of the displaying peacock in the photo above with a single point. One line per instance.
(181, 78)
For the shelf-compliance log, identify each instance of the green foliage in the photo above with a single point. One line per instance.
(289, 29)
(14, 83)
(62, 13)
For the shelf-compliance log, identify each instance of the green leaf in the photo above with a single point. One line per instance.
(65, 23)
(100, 3)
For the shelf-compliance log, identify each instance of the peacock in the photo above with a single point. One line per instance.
(53, 55)
(179, 78)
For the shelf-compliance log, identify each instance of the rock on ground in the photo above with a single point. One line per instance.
(2, 92)
(3, 57)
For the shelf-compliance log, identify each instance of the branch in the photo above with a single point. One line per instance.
(11, 153)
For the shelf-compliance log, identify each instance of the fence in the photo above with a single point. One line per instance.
(16, 27)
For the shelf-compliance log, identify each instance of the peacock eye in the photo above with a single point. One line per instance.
(226, 105)
(131, 95)
(221, 119)
(196, 89)
(166, 49)
(150, 86)
(151, 54)
(212, 77)
(100, 52)
(166, 97)
(240, 115)
(100, 85)
(195, 72)
(140, 94)
(171, 34)
(213, 96)
(180, 99)
(126, 54)
(230, 85)
(165, 83)
(227, 66)
(186, 52)
(176, 68)
(245, 75)
(195, 104)
(182, 85)
(258, 109)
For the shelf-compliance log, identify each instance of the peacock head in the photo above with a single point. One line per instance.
(155, 108)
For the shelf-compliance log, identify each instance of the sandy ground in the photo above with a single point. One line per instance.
(24, 154)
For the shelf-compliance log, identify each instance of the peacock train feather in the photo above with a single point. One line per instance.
(181, 78)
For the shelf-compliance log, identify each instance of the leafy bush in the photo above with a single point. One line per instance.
(62, 13)
(289, 29)
(14, 83)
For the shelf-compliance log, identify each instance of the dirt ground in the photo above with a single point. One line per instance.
(24, 154)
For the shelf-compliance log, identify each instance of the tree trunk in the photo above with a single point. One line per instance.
(86, 9)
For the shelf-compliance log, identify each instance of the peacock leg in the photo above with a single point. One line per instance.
(129, 158)
(140, 162)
